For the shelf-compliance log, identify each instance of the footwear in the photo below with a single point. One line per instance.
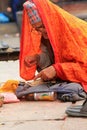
(74, 107)
(77, 111)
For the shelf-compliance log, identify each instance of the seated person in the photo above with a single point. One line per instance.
(49, 39)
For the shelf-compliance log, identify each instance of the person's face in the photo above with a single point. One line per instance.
(40, 28)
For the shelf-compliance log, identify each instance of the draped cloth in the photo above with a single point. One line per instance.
(68, 38)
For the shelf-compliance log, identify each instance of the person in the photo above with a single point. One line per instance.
(14, 6)
(53, 41)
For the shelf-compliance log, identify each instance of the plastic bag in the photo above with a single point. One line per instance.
(4, 18)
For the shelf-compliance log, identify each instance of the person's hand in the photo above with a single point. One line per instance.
(31, 60)
(46, 74)
(9, 9)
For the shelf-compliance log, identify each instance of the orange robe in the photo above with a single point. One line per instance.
(68, 37)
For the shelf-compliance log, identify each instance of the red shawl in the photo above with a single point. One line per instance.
(68, 37)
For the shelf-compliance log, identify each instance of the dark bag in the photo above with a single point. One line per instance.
(3, 18)
(70, 92)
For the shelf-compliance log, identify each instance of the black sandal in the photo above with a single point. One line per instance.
(78, 111)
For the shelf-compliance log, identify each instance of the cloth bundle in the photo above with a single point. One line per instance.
(7, 91)
(70, 92)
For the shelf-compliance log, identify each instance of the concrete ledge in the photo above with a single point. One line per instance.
(9, 56)
(8, 28)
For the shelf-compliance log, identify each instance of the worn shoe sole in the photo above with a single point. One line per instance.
(76, 113)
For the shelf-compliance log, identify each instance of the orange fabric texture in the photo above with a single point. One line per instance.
(30, 42)
(68, 37)
(9, 86)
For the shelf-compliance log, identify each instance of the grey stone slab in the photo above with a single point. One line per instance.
(33, 111)
(32, 125)
(35, 115)
(11, 41)
(9, 70)
(39, 116)
(8, 28)
(75, 124)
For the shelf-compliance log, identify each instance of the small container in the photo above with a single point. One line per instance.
(46, 96)
(29, 97)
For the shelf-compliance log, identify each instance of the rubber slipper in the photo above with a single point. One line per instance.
(74, 107)
(78, 111)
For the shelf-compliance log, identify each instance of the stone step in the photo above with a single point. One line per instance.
(8, 28)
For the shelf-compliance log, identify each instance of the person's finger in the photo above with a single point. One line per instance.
(40, 75)
(37, 76)
(26, 63)
(29, 63)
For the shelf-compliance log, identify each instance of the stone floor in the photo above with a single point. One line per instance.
(34, 115)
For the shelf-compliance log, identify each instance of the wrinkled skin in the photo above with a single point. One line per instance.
(29, 61)
(46, 74)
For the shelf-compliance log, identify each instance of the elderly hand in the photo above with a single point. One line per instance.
(31, 60)
(46, 74)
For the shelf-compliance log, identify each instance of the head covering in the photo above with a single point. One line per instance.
(32, 12)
